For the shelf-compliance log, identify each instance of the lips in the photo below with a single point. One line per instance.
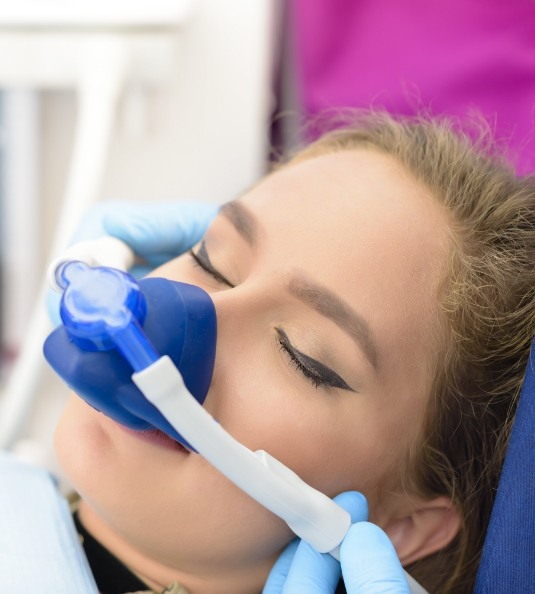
(157, 438)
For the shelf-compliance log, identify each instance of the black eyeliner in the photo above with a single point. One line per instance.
(203, 260)
(315, 371)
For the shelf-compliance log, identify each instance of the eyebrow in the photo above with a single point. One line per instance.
(243, 220)
(312, 294)
(333, 307)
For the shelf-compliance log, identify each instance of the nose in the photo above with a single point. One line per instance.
(244, 316)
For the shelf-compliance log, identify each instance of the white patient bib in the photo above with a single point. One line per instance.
(39, 547)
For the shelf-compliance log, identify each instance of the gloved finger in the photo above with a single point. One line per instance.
(370, 563)
(355, 503)
(279, 572)
(312, 572)
(159, 230)
(317, 573)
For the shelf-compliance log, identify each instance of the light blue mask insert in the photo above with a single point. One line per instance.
(103, 308)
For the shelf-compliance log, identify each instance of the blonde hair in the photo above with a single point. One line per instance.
(487, 301)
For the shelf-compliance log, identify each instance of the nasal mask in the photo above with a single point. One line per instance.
(143, 352)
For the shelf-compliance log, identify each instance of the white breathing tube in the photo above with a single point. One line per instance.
(310, 514)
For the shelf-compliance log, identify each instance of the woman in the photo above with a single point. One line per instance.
(375, 310)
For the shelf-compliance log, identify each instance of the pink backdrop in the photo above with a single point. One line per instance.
(445, 56)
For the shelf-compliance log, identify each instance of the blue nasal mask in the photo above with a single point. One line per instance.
(113, 324)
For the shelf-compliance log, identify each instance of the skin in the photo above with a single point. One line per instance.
(353, 222)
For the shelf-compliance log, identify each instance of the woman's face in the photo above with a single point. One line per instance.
(324, 278)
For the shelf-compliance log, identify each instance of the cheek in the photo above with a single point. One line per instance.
(332, 442)
(80, 442)
(173, 510)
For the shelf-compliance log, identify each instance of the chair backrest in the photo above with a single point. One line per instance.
(508, 560)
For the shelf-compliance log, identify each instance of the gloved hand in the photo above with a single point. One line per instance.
(368, 561)
(157, 232)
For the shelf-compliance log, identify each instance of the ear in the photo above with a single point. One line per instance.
(427, 528)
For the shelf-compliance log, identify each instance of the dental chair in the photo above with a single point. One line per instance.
(39, 547)
(508, 560)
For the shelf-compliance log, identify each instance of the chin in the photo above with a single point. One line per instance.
(82, 443)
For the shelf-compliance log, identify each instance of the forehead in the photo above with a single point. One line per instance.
(360, 224)
(348, 199)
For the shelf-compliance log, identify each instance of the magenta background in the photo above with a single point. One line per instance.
(443, 56)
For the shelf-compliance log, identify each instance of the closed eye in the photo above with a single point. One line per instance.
(202, 260)
(315, 372)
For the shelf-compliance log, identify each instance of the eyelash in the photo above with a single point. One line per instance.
(206, 266)
(308, 373)
(314, 371)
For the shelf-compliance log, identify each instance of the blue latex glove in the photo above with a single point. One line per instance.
(368, 561)
(156, 231)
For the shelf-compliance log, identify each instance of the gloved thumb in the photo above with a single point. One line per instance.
(369, 561)
(279, 572)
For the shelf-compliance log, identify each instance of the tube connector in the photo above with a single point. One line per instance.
(103, 308)
(104, 251)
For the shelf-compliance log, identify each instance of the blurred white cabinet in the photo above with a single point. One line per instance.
(162, 100)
